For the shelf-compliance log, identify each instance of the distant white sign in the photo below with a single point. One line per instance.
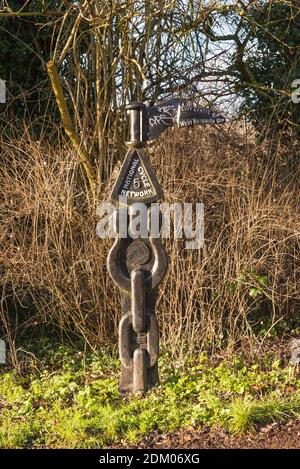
(2, 91)
(2, 352)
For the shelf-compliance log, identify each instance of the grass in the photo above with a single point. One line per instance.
(73, 400)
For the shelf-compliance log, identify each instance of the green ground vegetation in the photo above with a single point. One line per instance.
(71, 399)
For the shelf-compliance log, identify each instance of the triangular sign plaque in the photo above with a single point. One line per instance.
(137, 180)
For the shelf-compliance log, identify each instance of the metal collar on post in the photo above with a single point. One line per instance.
(138, 128)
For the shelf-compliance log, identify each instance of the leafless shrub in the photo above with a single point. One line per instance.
(53, 267)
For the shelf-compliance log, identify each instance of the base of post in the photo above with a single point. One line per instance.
(126, 379)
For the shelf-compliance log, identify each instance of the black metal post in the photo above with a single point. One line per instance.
(138, 265)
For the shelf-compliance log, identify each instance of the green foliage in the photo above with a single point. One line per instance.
(254, 281)
(78, 404)
(274, 63)
(25, 46)
(246, 413)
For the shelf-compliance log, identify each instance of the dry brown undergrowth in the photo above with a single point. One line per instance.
(53, 265)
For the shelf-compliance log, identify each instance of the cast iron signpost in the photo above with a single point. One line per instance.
(138, 264)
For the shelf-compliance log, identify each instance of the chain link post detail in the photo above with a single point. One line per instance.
(138, 265)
